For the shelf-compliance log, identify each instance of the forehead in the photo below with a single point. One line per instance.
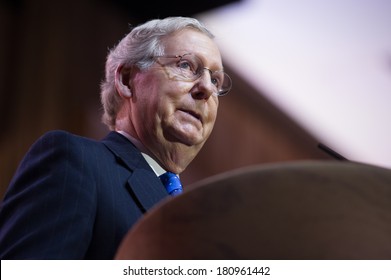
(193, 41)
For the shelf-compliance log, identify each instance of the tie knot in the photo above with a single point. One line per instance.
(171, 182)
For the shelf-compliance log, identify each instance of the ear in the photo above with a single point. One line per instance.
(122, 81)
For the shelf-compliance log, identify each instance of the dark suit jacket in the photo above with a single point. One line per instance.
(75, 198)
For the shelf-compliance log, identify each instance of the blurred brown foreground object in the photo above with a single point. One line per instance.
(298, 210)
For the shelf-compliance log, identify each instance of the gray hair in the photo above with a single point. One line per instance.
(138, 48)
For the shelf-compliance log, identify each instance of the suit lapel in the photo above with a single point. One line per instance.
(143, 182)
(147, 188)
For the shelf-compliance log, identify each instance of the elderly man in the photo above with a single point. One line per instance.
(76, 198)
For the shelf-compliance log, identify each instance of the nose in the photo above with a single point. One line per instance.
(203, 87)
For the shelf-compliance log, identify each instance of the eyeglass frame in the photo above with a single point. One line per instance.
(198, 72)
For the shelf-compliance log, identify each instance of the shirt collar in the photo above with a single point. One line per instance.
(152, 163)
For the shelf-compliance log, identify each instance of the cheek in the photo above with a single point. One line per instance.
(176, 89)
(169, 96)
(213, 108)
(147, 93)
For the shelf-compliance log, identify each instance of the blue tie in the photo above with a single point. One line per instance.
(171, 182)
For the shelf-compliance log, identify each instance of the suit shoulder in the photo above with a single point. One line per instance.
(61, 144)
(62, 134)
(64, 138)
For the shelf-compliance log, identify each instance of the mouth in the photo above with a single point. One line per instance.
(193, 114)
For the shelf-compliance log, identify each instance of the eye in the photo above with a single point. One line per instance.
(186, 65)
(217, 80)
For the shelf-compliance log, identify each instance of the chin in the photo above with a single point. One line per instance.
(184, 137)
(191, 141)
(194, 139)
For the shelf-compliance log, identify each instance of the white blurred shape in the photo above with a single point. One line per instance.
(327, 64)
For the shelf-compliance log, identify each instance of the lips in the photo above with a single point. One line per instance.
(193, 114)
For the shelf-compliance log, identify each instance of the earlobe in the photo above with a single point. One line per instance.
(122, 78)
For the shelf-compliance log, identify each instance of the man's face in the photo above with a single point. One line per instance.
(165, 110)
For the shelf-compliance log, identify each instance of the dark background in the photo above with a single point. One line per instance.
(52, 56)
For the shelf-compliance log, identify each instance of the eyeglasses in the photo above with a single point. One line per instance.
(189, 67)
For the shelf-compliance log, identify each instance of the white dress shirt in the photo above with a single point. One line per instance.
(152, 163)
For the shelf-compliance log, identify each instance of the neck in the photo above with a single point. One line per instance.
(175, 157)
(172, 156)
